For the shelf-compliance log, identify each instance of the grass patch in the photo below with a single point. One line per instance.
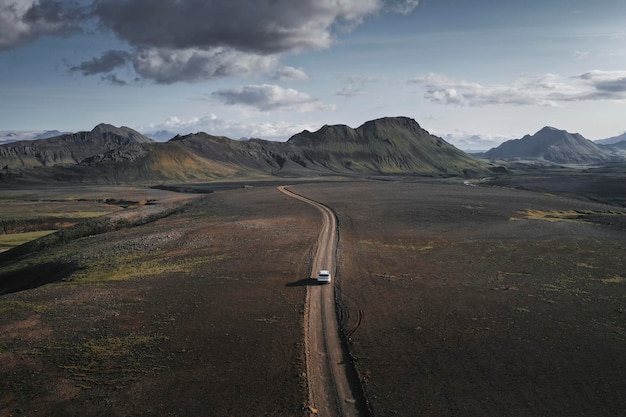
(133, 266)
(402, 246)
(112, 361)
(11, 306)
(119, 346)
(583, 216)
(15, 239)
(614, 280)
(551, 215)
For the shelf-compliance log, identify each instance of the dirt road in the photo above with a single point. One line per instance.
(332, 382)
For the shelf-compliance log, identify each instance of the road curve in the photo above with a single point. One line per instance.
(332, 383)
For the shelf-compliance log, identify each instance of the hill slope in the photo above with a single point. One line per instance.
(393, 145)
(119, 155)
(553, 145)
(69, 149)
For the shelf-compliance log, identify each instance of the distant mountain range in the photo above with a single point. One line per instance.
(613, 140)
(554, 146)
(107, 154)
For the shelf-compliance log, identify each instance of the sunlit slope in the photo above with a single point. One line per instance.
(156, 162)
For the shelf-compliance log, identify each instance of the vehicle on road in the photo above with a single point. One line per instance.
(323, 277)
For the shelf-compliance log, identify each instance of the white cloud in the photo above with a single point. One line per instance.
(289, 74)
(214, 125)
(541, 90)
(473, 142)
(268, 97)
(167, 66)
(404, 6)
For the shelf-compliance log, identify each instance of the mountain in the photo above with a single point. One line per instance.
(616, 146)
(613, 140)
(392, 145)
(120, 155)
(68, 148)
(552, 145)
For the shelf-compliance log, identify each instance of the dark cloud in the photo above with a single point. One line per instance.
(610, 85)
(113, 80)
(192, 40)
(106, 63)
(26, 20)
(258, 26)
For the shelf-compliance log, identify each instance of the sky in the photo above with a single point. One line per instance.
(475, 72)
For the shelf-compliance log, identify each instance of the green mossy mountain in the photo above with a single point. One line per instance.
(392, 145)
(387, 146)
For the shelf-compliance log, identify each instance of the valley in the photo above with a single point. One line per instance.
(456, 300)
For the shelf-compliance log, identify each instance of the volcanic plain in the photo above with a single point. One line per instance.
(455, 300)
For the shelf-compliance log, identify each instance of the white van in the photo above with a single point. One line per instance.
(323, 277)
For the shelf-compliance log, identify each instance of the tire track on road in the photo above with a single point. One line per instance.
(333, 385)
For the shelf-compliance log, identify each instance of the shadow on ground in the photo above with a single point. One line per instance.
(34, 276)
(305, 282)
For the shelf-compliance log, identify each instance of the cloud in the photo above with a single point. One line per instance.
(612, 83)
(113, 80)
(404, 6)
(542, 90)
(167, 66)
(26, 20)
(262, 27)
(470, 142)
(107, 62)
(355, 85)
(289, 74)
(190, 40)
(214, 125)
(269, 97)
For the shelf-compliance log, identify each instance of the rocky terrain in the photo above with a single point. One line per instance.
(69, 149)
(455, 300)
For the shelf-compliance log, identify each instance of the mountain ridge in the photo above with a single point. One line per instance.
(68, 149)
(612, 140)
(385, 146)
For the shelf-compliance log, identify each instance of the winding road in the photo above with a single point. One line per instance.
(333, 386)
